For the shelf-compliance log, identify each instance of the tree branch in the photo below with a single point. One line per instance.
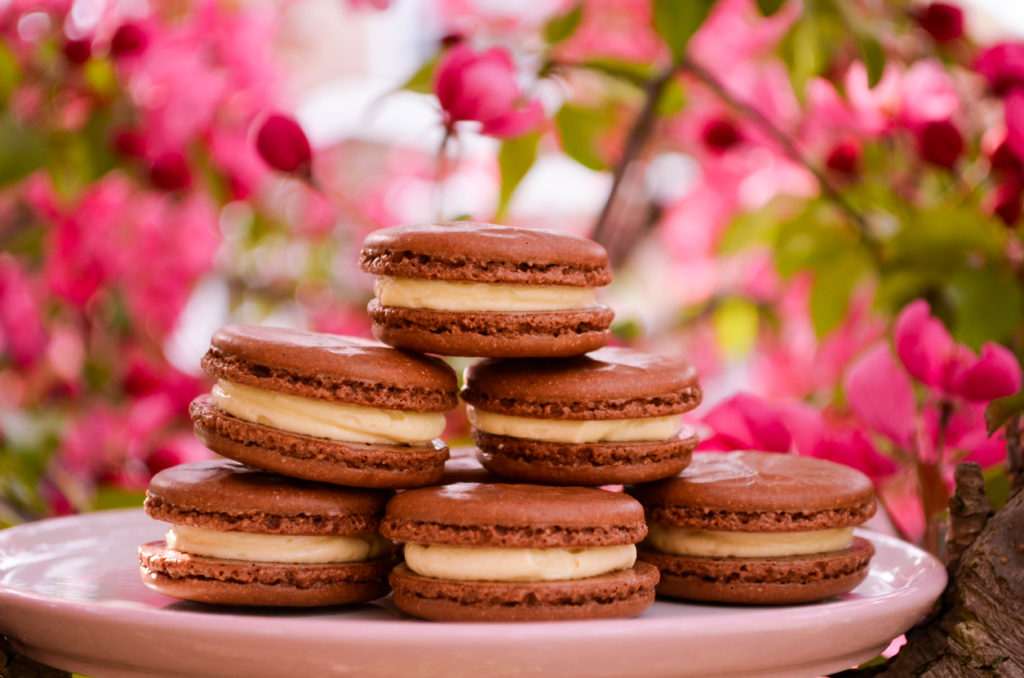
(787, 145)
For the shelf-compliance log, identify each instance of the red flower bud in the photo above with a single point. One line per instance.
(1006, 201)
(1003, 66)
(944, 22)
(78, 51)
(940, 143)
(283, 145)
(170, 172)
(1005, 161)
(129, 143)
(844, 158)
(128, 40)
(720, 135)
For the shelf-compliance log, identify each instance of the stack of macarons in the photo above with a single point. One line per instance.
(327, 429)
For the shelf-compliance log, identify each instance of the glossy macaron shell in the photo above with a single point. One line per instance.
(759, 491)
(225, 495)
(514, 516)
(609, 383)
(331, 367)
(476, 252)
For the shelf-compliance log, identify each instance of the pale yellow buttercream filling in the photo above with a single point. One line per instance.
(687, 542)
(448, 295)
(576, 431)
(323, 419)
(512, 564)
(276, 548)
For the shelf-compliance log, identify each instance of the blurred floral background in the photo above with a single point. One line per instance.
(816, 202)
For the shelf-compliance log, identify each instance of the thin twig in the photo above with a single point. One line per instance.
(639, 135)
(830, 190)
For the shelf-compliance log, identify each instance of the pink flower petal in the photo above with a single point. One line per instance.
(1014, 114)
(881, 395)
(923, 344)
(515, 123)
(746, 421)
(993, 375)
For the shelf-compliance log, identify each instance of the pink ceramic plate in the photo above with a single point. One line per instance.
(70, 596)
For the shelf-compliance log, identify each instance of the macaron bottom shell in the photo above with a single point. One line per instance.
(603, 463)
(539, 334)
(625, 593)
(761, 581)
(237, 582)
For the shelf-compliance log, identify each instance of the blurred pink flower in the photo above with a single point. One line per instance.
(182, 448)
(22, 334)
(881, 395)
(720, 134)
(844, 158)
(841, 442)
(996, 373)
(482, 86)
(1013, 111)
(1002, 65)
(77, 51)
(1006, 201)
(614, 29)
(923, 94)
(170, 172)
(746, 422)
(283, 145)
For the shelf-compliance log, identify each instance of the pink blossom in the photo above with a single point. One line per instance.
(924, 345)
(996, 373)
(22, 334)
(482, 86)
(1013, 107)
(170, 172)
(614, 29)
(77, 51)
(130, 39)
(1003, 66)
(182, 448)
(881, 395)
(1005, 201)
(746, 422)
(283, 145)
(720, 135)
(923, 94)
(844, 158)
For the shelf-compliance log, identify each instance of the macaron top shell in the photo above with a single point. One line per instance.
(514, 516)
(609, 383)
(331, 367)
(228, 496)
(775, 491)
(476, 252)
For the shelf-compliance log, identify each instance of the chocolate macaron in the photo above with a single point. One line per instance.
(606, 418)
(478, 552)
(324, 407)
(758, 528)
(472, 289)
(241, 536)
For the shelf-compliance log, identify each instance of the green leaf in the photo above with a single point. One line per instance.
(581, 130)
(562, 27)
(10, 74)
(515, 159)
(23, 151)
(997, 485)
(769, 7)
(874, 57)
(1000, 410)
(627, 330)
(113, 497)
(987, 304)
(736, 324)
(636, 74)
(101, 77)
(422, 80)
(834, 282)
(800, 50)
(672, 99)
(677, 20)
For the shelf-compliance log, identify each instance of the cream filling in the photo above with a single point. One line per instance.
(448, 295)
(322, 419)
(276, 548)
(576, 431)
(510, 564)
(686, 542)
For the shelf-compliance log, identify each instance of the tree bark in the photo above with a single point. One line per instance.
(977, 629)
